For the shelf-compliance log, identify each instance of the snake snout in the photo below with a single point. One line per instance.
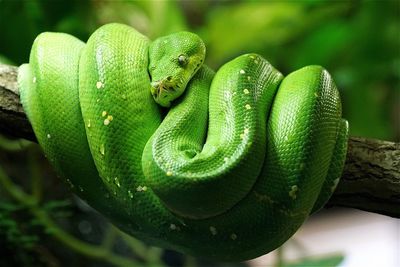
(166, 90)
(155, 85)
(161, 92)
(155, 88)
(165, 84)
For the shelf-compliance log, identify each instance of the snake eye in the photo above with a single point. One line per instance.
(182, 60)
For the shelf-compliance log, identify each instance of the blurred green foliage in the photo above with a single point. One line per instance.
(357, 41)
(326, 261)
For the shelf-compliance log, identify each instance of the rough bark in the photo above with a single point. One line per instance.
(371, 177)
(13, 121)
(370, 181)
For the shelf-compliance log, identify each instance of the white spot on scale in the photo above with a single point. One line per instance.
(169, 173)
(89, 124)
(226, 159)
(233, 236)
(101, 149)
(70, 183)
(213, 230)
(99, 85)
(248, 78)
(116, 182)
(246, 130)
(246, 91)
(48, 136)
(242, 72)
(172, 226)
(130, 194)
(34, 80)
(108, 120)
(247, 106)
(141, 188)
(104, 113)
(293, 191)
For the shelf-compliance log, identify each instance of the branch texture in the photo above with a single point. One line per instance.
(13, 121)
(370, 181)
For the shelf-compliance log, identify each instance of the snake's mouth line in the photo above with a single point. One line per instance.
(165, 86)
(171, 87)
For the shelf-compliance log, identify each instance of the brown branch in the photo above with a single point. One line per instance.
(370, 181)
(13, 121)
(371, 177)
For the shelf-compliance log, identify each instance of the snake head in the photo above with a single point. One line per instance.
(174, 59)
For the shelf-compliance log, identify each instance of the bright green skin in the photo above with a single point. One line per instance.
(170, 77)
(231, 191)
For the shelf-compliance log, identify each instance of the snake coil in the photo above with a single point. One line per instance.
(233, 170)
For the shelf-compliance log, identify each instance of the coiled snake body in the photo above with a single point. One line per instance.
(232, 171)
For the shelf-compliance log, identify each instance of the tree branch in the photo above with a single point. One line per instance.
(13, 121)
(370, 181)
(371, 177)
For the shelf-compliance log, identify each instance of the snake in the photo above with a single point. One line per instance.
(223, 165)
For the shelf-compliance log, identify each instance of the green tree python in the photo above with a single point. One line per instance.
(241, 159)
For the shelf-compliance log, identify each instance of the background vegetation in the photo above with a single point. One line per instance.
(358, 42)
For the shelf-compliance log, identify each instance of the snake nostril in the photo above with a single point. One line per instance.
(169, 78)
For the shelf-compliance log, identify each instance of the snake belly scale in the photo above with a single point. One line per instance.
(242, 158)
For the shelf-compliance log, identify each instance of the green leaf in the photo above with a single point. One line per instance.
(326, 261)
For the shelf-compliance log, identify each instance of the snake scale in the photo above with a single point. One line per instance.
(242, 157)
